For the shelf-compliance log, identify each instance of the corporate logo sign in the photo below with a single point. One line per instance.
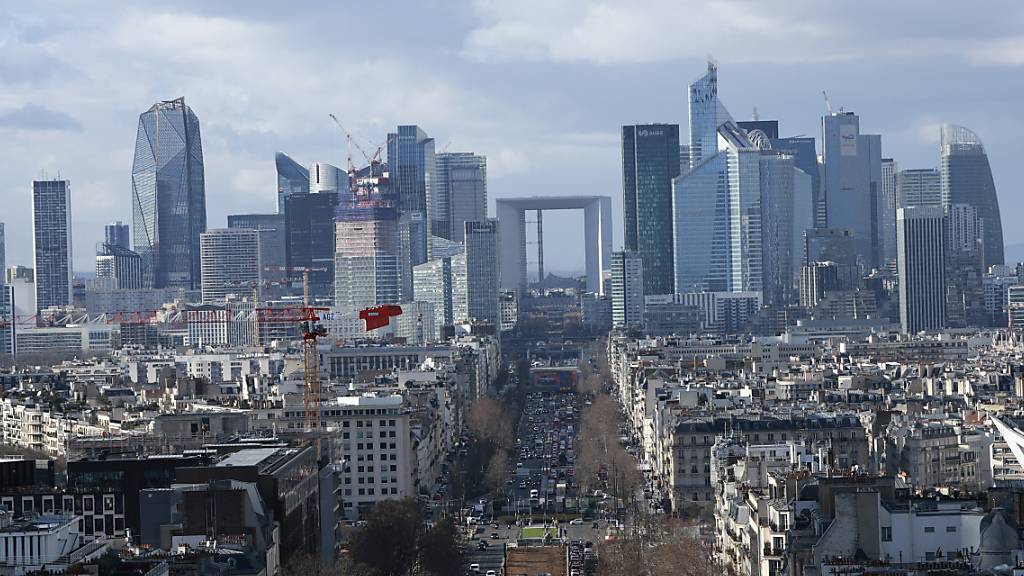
(847, 140)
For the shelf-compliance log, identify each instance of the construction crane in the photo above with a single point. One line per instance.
(309, 320)
(305, 277)
(828, 104)
(349, 141)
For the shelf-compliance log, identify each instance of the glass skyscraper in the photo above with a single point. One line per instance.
(458, 194)
(51, 242)
(966, 178)
(292, 178)
(650, 160)
(309, 239)
(481, 271)
(169, 195)
(412, 166)
(852, 184)
(117, 234)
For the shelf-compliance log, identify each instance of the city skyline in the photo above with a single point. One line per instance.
(557, 131)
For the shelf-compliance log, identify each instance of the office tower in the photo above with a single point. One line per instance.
(887, 212)
(411, 226)
(1015, 307)
(231, 263)
(482, 273)
(292, 178)
(803, 217)
(770, 128)
(412, 166)
(650, 160)
(324, 177)
(168, 195)
(627, 290)
(3, 255)
(967, 179)
(921, 262)
(116, 234)
(8, 311)
(829, 245)
(458, 194)
(918, 187)
(705, 199)
(432, 282)
(778, 210)
(271, 231)
(460, 287)
(852, 183)
(309, 237)
(51, 242)
(121, 265)
(367, 257)
(965, 270)
(819, 278)
(734, 210)
(805, 159)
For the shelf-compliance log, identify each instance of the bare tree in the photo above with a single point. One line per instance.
(490, 422)
(666, 547)
(499, 469)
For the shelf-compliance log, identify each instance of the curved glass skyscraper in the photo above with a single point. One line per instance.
(292, 178)
(967, 179)
(168, 195)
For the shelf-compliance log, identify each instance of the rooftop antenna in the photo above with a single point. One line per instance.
(827, 103)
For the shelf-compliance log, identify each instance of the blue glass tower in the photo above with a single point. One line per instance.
(412, 164)
(168, 195)
(292, 178)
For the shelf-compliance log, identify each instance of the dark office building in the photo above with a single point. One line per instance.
(116, 234)
(829, 245)
(309, 239)
(17, 473)
(805, 157)
(120, 481)
(769, 127)
(650, 160)
(966, 178)
(288, 482)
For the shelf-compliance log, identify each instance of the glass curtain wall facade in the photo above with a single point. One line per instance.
(169, 195)
(853, 171)
(367, 270)
(292, 178)
(458, 194)
(412, 163)
(966, 178)
(309, 233)
(482, 275)
(650, 160)
(51, 242)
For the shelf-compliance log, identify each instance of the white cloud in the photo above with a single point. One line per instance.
(640, 31)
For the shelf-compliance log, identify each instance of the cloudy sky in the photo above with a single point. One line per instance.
(540, 87)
